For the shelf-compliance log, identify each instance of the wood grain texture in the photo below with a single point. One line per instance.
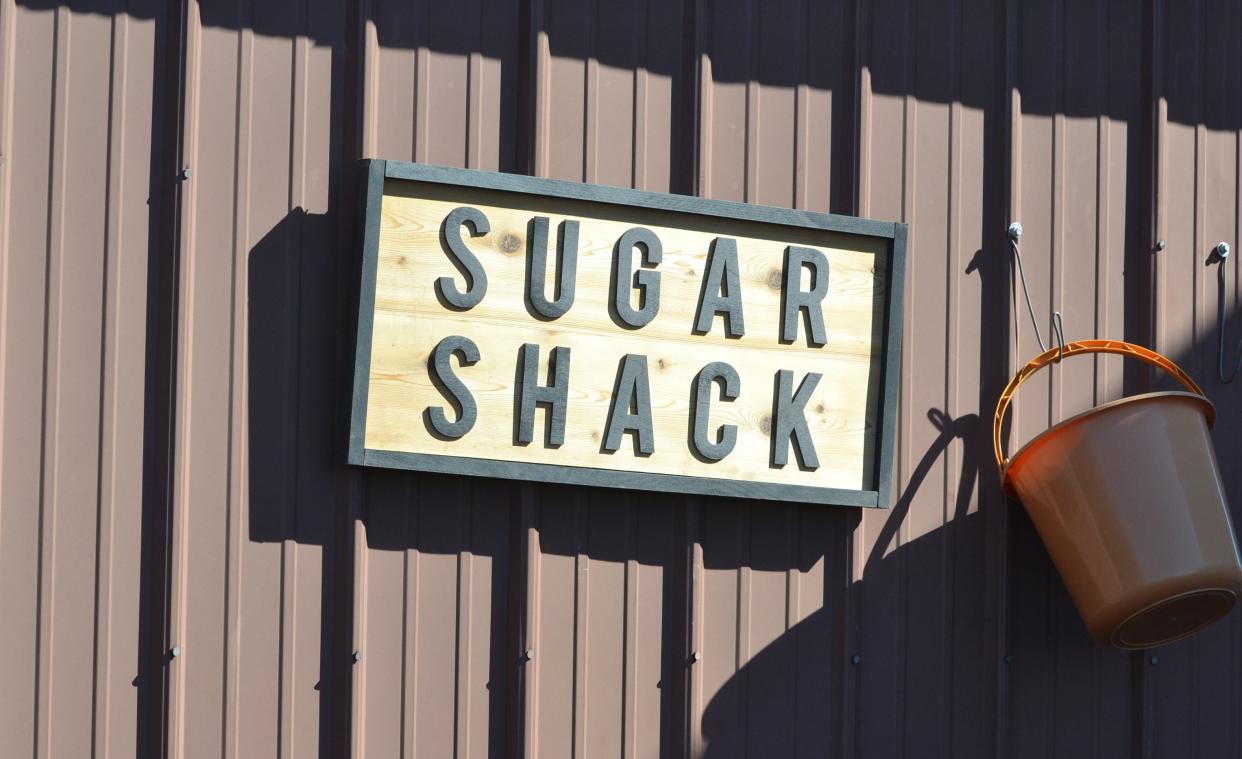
(409, 320)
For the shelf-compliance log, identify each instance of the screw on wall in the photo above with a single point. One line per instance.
(184, 174)
(357, 656)
(174, 652)
(527, 655)
(1159, 245)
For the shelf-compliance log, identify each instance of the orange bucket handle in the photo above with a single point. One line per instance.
(1053, 355)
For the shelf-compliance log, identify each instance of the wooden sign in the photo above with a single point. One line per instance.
(558, 332)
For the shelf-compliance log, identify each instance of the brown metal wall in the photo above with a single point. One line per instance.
(77, 93)
(320, 608)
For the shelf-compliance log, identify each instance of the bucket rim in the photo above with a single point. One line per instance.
(1206, 406)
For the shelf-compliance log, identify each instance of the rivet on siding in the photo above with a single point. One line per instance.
(1015, 231)
(1155, 660)
(527, 655)
(694, 657)
(1159, 244)
(1222, 250)
(175, 652)
(357, 656)
(855, 659)
(184, 174)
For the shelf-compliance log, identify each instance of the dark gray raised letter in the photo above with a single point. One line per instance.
(631, 406)
(715, 299)
(530, 392)
(726, 435)
(796, 300)
(789, 413)
(467, 355)
(462, 258)
(537, 267)
(646, 281)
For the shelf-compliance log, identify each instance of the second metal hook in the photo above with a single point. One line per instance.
(1058, 329)
(1221, 254)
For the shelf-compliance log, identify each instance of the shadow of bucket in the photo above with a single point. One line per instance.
(1128, 500)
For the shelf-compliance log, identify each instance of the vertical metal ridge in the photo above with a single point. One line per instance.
(181, 385)
(110, 340)
(590, 104)
(954, 453)
(695, 581)
(629, 649)
(531, 619)
(358, 681)
(422, 79)
(540, 63)
(473, 157)
(1199, 245)
(358, 492)
(750, 139)
(1057, 222)
(235, 442)
(703, 143)
(290, 550)
(638, 148)
(48, 443)
(903, 461)
(1103, 127)
(850, 694)
(793, 607)
(581, 622)
(798, 146)
(406, 722)
(463, 639)
(742, 611)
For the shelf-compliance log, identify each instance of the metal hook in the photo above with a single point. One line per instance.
(1058, 329)
(1221, 254)
(1058, 325)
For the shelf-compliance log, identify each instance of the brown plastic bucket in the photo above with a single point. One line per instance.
(1128, 500)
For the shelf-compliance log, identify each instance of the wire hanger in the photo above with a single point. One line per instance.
(1221, 253)
(1058, 325)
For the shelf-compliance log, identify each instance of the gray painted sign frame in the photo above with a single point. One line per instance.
(882, 496)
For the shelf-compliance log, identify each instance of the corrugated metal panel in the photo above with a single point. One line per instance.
(253, 495)
(927, 591)
(1075, 156)
(75, 146)
(1196, 687)
(600, 577)
(657, 624)
(432, 567)
(768, 579)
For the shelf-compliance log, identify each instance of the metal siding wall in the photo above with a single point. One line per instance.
(253, 487)
(1197, 691)
(76, 145)
(600, 564)
(1079, 84)
(767, 577)
(432, 561)
(927, 610)
(656, 624)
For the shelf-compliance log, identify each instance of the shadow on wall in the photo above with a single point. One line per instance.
(293, 495)
(728, 724)
(296, 333)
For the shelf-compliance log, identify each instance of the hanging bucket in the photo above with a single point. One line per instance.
(1128, 500)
